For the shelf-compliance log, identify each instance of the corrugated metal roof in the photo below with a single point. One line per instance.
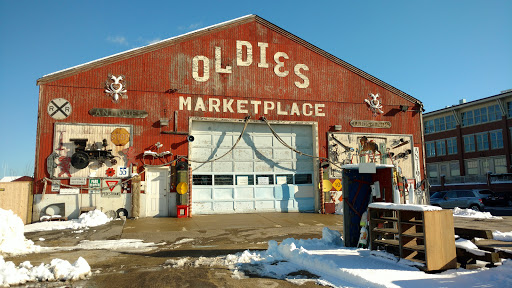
(155, 46)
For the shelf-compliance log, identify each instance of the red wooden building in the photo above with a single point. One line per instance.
(305, 105)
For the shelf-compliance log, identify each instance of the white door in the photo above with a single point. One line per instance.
(259, 175)
(157, 195)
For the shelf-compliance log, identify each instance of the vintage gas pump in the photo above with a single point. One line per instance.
(182, 189)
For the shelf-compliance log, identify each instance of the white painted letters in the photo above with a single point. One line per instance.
(250, 106)
(296, 69)
(245, 58)
(263, 55)
(206, 68)
(218, 62)
(240, 53)
(279, 64)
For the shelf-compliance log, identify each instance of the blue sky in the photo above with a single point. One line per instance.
(436, 51)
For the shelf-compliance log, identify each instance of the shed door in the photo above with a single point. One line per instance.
(157, 202)
(259, 175)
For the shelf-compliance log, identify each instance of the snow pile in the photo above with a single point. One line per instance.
(57, 270)
(468, 246)
(473, 214)
(86, 220)
(502, 236)
(327, 263)
(12, 238)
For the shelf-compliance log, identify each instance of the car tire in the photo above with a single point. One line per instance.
(475, 207)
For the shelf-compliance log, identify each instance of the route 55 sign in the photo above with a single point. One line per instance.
(123, 172)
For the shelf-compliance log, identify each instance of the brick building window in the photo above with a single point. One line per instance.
(496, 139)
(482, 141)
(469, 143)
(451, 144)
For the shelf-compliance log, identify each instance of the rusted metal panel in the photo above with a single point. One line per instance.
(309, 86)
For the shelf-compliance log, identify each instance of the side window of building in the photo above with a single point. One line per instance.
(467, 118)
(496, 139)
(440, 147)
(454, 169)
(469, 143)
(494, 113)
(500, 165)
(482, 141)
(509, 109)
(430, 149)
(432, 170)
(429, 126)
(451, 145)
(450, 122)
(472, 167)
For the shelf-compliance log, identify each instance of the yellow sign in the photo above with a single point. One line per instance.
(327, 185)
(182, 188)
(120, 137)
(337, 184)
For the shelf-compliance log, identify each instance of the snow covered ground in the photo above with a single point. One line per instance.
(458, 212)
(325, 261)
(13, 242)
(338, 266)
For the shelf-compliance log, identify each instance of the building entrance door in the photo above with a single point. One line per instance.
(157, 195)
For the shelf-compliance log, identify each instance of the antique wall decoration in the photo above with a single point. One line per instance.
(59, 108)
(115, 88)
(374, 104)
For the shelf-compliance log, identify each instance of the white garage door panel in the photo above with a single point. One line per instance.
(223, 194)
(244, 193)
(244, 166)
(222, 166)
(257, 155)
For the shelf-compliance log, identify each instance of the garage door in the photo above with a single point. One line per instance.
(259, 175)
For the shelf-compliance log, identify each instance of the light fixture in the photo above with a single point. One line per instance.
(164, 122)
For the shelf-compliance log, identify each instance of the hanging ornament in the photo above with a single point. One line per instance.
(115, 88)
(374, 104)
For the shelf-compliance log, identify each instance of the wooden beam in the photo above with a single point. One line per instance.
(469, 234)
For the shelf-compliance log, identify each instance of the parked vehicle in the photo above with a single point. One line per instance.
(495, 198)
(471, 199)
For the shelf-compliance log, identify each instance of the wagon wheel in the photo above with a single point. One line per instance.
(80, 160)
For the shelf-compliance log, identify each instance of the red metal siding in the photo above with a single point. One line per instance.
(150, 77)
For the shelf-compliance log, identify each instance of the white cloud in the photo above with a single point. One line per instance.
(118, 40)
(193, 26)
(154, 41)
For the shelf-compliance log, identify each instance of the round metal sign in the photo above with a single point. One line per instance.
(59, 108)
(182, 188)
(120, 137)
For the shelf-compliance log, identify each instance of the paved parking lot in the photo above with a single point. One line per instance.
(199, 236)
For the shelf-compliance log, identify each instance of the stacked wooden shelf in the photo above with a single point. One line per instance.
(418, 233)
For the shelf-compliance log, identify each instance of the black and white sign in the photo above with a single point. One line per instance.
(55, 185)
(78, 181)
(59, 108)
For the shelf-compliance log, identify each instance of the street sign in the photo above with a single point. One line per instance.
(55, 185)
(113, 190)
(120, 137)
(337, 184)
(78, 181)
(123, 172)
(69, 191)
(59, 108)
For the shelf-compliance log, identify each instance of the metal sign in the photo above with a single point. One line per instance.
(120, 137)
(417, 173)
(69, 191)
(59, 108)
(337, 184)
(123, 172)
(55, 185)
(94, 183)
(78, 181)
(370, 124)
(120, 113)
(113, 190)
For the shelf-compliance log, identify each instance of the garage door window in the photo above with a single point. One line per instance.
(284, 179)
(244, 179)
(265, 179)
(202, 179)
(223, 179)
(303, 179)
